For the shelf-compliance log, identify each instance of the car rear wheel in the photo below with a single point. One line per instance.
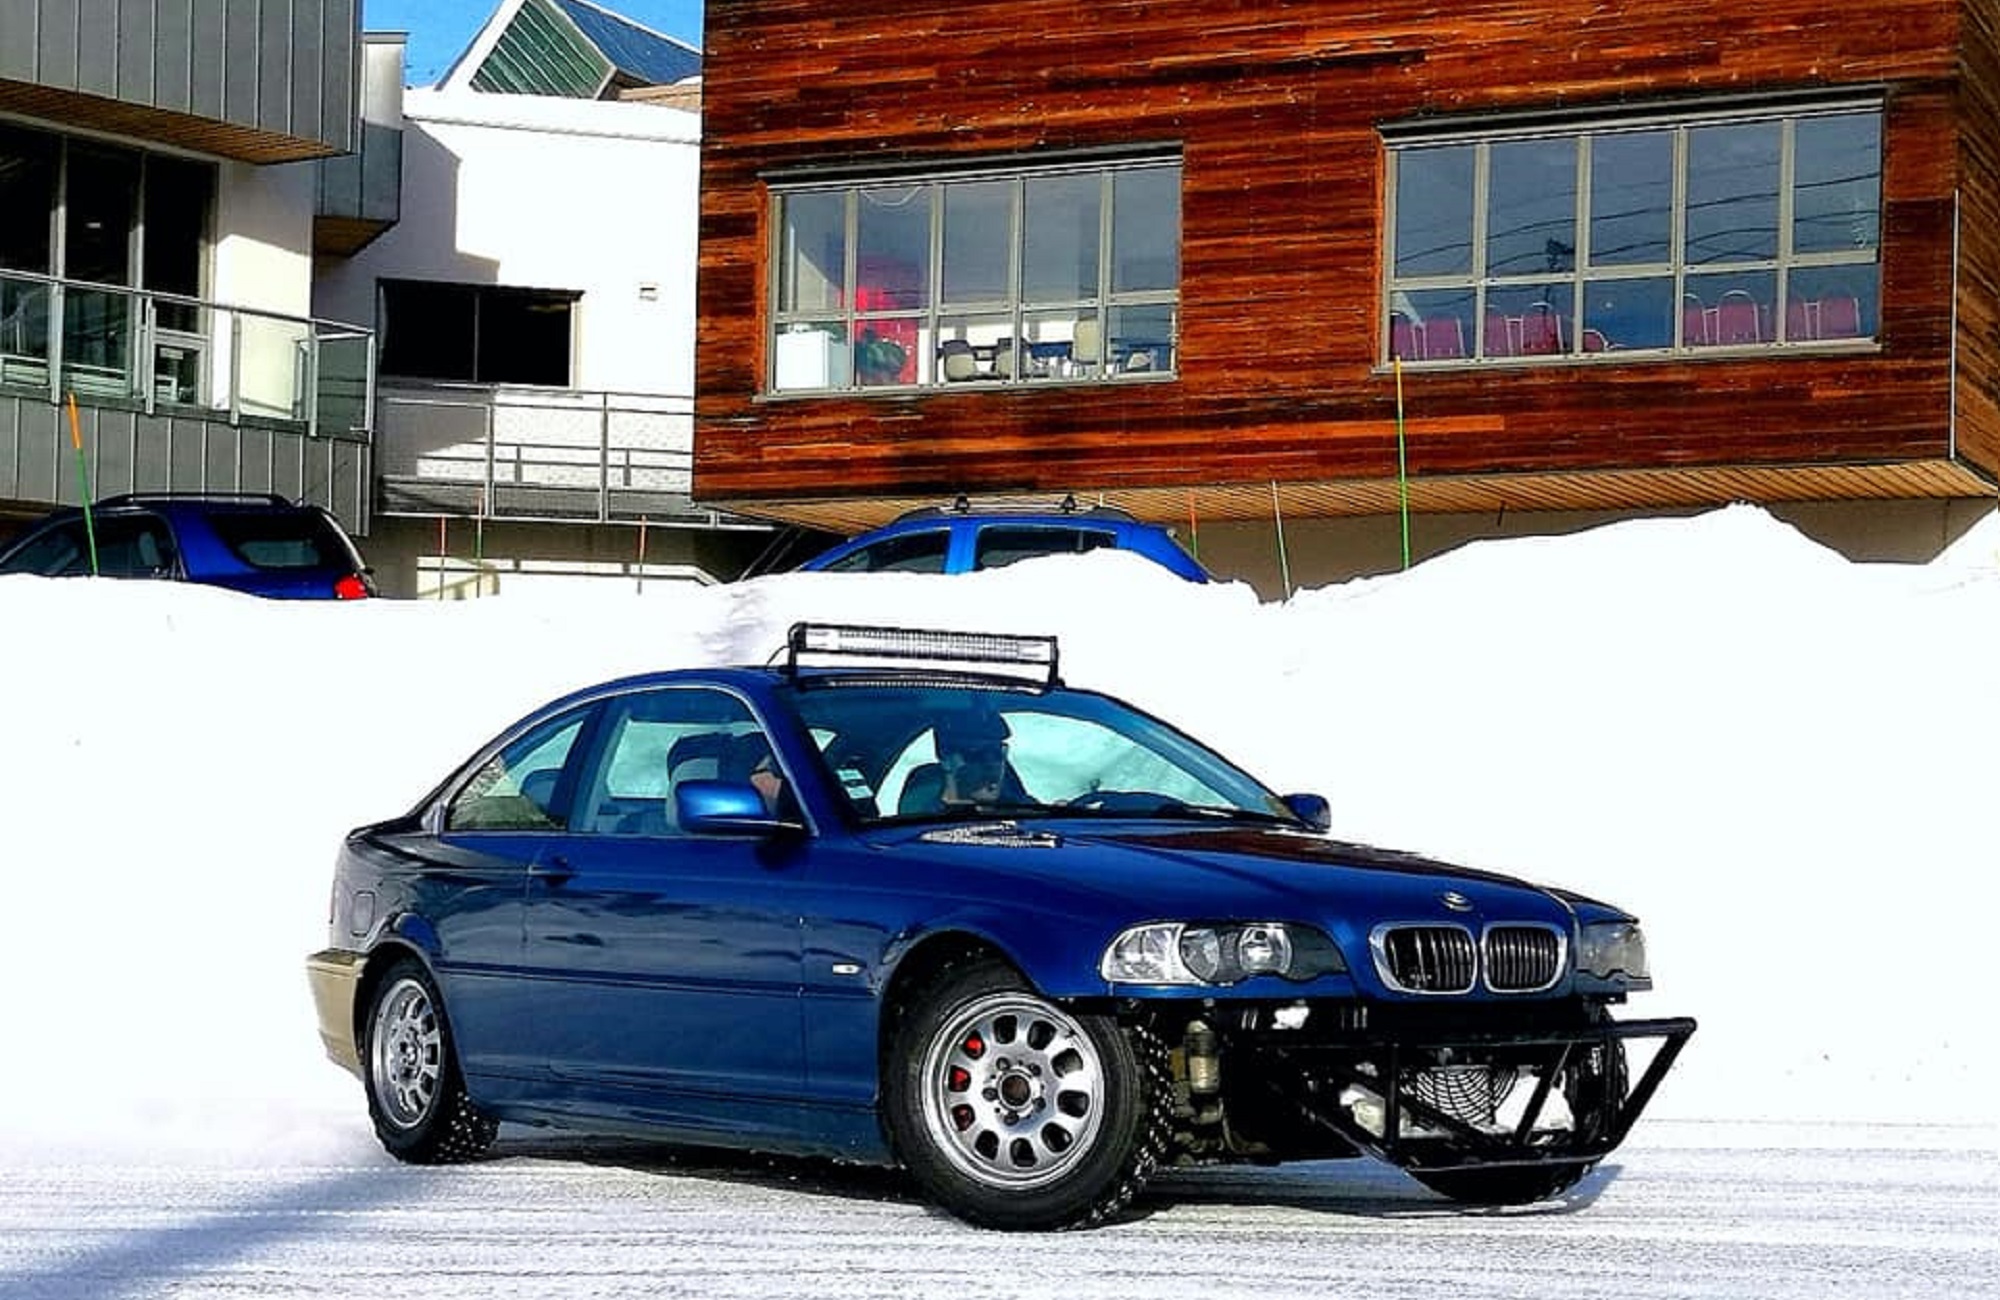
(416, 1094)
(1011, 1112)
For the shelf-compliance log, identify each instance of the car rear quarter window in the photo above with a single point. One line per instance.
(1003, 544)
(518, 789)
(922, 552)
(291, 540)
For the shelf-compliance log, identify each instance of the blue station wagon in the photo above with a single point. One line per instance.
(903, 897)
(966, 539)
(253, 542)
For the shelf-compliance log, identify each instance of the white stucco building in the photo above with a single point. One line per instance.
(534, 305)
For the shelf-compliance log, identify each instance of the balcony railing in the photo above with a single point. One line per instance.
(162, 352)
(548, 454)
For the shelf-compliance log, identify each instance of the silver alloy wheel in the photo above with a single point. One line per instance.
(406, 1053)
(1012, 1091)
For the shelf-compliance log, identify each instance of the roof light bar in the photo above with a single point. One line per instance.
(900, 643)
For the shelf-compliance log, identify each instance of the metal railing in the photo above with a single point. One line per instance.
(113, 343)
(500, 452)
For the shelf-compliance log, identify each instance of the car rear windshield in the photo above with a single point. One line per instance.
(283, 541)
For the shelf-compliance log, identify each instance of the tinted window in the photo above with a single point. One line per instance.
(517, 789)
(128, 546)
(301, 540)
(1004, 544)
(656, 740)
(906, 553)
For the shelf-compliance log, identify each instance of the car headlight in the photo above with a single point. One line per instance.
(1176, 952)
(1614, 950)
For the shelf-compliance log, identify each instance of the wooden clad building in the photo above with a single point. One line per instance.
(1517, 255)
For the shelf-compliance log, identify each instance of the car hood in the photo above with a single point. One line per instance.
(1129, 872)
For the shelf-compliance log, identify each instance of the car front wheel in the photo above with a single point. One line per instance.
(1011, 1112)
(416, 1094)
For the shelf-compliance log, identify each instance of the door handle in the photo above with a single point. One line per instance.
(555, 869)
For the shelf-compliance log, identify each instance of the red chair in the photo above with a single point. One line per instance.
(1801, 320)
(1541, 331)
(1736, 319)
(1594, 341)
(1839, 317)
(1694, 323)
(1444, 338)
(1503, 335)
(1406, 339)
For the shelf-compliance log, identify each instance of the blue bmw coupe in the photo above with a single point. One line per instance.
(902, 897)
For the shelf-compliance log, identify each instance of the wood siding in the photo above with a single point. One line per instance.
(1276, 106)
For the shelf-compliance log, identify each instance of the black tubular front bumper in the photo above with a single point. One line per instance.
(1416, 1134)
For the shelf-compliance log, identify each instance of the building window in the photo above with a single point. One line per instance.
(120, 221)
(476, 333)
(1006, 277)
(1751, 230)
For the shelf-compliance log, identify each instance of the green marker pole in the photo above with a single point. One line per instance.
(83, 479)
(1402, 464)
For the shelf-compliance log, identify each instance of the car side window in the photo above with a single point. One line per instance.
(654, 741)
(134, 546)
(59, 551)
(1003, 544)
(128, 546)
(520, 788)
(922, 552)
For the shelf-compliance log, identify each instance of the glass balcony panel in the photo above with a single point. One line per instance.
(97, 333)
(343, 382)
(24, 331)
(271, 366)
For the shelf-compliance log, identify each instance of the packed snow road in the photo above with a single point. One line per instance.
(1684, 1210)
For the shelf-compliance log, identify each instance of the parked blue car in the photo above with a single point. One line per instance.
(254, 542)
(904, 898)
(961, 539)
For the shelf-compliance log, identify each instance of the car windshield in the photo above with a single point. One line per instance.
(936, 750)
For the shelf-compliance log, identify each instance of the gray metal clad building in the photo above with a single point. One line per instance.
(255, 80)
(156, 251)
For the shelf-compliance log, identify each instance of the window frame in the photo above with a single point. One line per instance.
(1571, 284)
(1015, 357)
(480, 301)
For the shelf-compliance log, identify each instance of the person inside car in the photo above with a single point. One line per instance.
(971, 771)
(750, 759)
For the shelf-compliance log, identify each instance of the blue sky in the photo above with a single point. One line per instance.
(440, 29)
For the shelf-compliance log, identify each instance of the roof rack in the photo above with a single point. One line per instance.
(1066, 505)
(145, 498)
(855, 641)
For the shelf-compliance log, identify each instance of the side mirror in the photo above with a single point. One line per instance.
(1312, 809)
(732, 808)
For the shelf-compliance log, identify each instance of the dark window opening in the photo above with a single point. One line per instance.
(483, 334)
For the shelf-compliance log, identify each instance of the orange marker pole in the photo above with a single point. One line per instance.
(83, 479)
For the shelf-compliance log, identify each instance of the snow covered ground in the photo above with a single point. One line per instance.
(1780, 760)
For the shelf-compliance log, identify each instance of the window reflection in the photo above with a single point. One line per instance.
(1531, 208)
(1837, 183)
(1670, 242)
(1631, 198)
(1060, 245)
(1040, 276)
(1732, 182)
(1434, 210)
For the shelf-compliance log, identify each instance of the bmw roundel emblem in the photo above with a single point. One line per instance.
(1456, 901)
